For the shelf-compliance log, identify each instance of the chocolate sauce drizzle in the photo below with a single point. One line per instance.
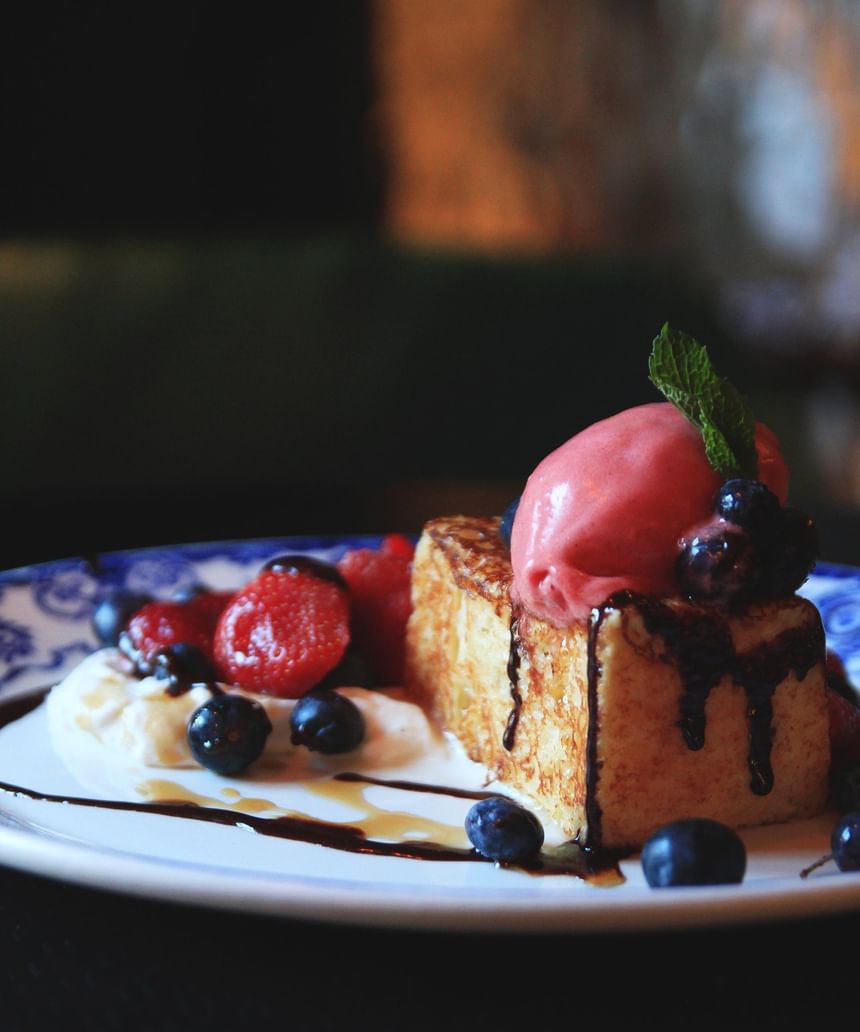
(699, 643)
(514, 659)
(567, 859)
(593, 810)
(345, 837)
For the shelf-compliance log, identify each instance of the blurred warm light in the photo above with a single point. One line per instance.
(721, 140)
(503, 123)
(724, 136)
(46, 267)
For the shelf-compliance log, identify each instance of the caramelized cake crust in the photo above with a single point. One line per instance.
(654, 709)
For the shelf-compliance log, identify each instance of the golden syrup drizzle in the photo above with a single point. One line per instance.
(375, 821)
(168, 799)
(160, 790)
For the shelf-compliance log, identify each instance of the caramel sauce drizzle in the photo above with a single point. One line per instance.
(401, 834)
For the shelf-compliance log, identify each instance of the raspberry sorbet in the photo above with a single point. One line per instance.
(607, 510)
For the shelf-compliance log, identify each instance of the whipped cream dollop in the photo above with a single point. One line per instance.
(102, 704)
(607, 510)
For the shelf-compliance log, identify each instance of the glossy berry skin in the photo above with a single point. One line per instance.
(113, 612)
(719, 565)
(228, 733)
(845, 842)
(282, 633)
(206, 603)
(397, 544)
(159, 624)
(749, 504)
(789, 554)
(785, 538)
(188, 593)
(306, 564)
(502, 830)
(695, 851)
(507, 522)
(182, 665)
(326, 722)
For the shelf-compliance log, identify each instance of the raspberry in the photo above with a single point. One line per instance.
(379, 589)
(282, 633)
(397, 544)
(159, 624)
(844, 731)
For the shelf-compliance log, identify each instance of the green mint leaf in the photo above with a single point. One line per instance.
(679, 367)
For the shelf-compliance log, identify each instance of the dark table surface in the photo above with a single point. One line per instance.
(78, 958)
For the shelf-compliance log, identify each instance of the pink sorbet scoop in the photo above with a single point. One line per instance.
(607, 510)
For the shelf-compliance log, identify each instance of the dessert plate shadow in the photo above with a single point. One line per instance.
(45, 630)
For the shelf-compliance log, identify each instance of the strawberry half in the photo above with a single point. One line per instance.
(209, 604)
(380, 599)
(282, 633)
(159, 624)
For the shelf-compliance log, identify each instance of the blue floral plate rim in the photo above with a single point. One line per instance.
(45, 608)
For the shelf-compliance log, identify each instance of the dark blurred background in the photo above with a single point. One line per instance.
(350, 265)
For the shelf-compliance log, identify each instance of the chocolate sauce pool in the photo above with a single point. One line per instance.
(568, 859)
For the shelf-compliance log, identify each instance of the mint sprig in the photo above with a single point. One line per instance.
(679, 367)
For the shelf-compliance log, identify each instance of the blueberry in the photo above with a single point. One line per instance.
(719, 565)
(227, 733)
(504, 831)
(507, 522)
(696, 851)
(294, 564)
(114, 611)
(845, 842)
(748, 504)
(188, 593)
(326, 722)
(789, 553)
(182, 665)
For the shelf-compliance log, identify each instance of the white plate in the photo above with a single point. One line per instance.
(44, 630)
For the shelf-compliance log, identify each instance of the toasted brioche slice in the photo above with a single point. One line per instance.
(655, 709)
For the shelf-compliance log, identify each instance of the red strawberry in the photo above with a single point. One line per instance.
(844, 713)
(158, 624)
(282, 633)
(379, 588)
(210, 604)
